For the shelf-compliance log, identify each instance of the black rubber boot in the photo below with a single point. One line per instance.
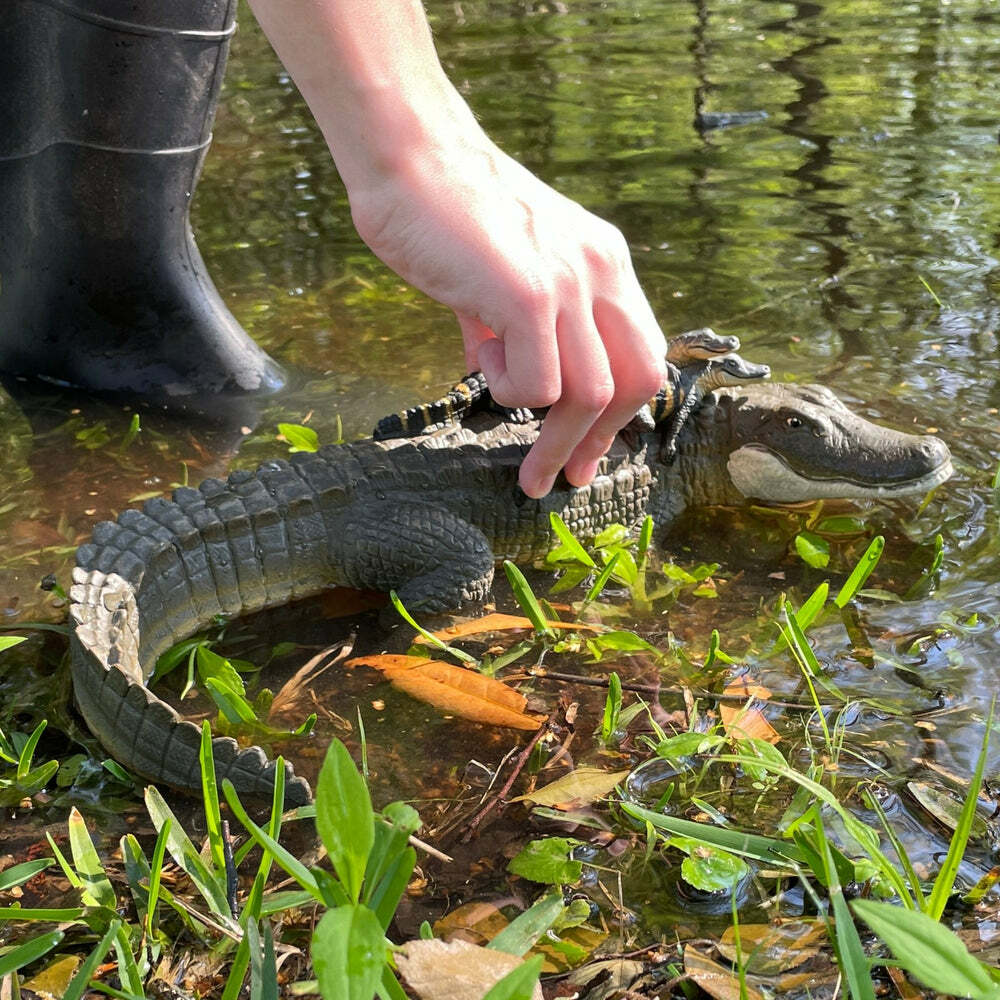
(105, 118)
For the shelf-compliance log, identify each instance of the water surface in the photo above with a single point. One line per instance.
(849, 237)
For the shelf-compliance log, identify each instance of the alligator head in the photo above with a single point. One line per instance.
(784, 443)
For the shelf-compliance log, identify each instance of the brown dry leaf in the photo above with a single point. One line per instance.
(295, 691)
(772, 948)
(454, 970)
(741, 722)
(904, 987)
(477, 923)
(498, 622)
(716, 980)
(454, 690)
(581, 786)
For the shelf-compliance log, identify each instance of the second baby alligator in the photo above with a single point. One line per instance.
(428, 516)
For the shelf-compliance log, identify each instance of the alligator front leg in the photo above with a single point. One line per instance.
(433, 559)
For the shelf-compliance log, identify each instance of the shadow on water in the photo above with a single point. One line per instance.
(850, 238)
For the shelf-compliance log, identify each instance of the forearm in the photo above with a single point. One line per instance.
(371, 77)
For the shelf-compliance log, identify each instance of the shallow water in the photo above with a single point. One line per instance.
(813, 234)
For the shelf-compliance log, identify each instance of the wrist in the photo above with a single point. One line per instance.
(391, 132)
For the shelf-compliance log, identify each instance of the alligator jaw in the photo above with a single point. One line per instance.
(760, 473)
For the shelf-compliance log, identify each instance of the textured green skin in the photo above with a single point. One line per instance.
(428, 517)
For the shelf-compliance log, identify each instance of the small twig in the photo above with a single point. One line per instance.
(422, 845)
(519, 764)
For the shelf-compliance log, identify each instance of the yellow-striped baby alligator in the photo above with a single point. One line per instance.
(428, 516)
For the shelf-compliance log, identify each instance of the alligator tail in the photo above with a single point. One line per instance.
(137, 728)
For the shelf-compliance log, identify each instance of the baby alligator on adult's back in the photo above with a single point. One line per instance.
(428, 517)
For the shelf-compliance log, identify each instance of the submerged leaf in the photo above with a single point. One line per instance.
(548, 861)
(742, 721)
(768, 949)
(582, 785)
(454, 689)
(812, 549)
(715, 979)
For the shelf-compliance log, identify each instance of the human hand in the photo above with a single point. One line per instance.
(549, 305)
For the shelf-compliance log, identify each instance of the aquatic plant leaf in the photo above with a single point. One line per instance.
(582, 785)
(770, 850)
(344, 818)
(29, 952)
(454, 689)
(710, 869)
(861, 572)
(526, 928)
(96, 888)
(812, 550)
(299, 437)
(19, 874)
(569, 549)
(458, 970)
(211, 885)
(927, 950)
(348, 952)
(548, 861)
(525, 596)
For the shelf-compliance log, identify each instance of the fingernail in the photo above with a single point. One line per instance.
(539, 487)
(584, 474)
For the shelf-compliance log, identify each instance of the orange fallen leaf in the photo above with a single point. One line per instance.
(498, 622)
(741, 722)
(453, 689)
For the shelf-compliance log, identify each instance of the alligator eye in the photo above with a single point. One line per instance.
(793, 421)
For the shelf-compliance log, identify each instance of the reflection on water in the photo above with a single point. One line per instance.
(848, 237)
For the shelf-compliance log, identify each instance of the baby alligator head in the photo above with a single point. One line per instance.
(800, 442)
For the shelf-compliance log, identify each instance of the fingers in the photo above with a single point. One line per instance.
(524, 368)
(587, 389)
(611, 360)
(637, 363)
(596, 366)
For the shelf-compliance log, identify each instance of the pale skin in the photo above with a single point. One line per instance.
(545, 294)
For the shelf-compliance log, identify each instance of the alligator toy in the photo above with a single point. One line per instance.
(429, 516)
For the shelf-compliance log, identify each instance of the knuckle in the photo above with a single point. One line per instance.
(595, 396)
(530, 297)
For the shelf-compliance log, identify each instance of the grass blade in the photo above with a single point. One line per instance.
(526, 598)
(861, 572)
(945, 880)
(28, 952)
